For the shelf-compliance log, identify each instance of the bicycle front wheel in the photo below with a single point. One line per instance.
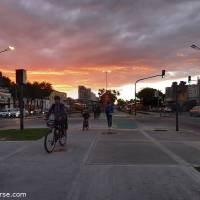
(63, 138)
(49, 141)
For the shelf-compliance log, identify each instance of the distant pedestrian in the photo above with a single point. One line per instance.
(97, 111)
(86, 116)
(109, 112)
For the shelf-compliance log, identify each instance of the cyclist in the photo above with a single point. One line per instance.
(59, 112)
(86, 116)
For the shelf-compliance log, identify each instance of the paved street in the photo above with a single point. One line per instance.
(138, 161)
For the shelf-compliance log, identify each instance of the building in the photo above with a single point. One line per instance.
(188, 95)
(170, 94)
(86, 96)
(5, 98)
(194, 92)
(93, 97)
(62, 95)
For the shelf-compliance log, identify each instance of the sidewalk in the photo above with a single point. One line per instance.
(133, 163)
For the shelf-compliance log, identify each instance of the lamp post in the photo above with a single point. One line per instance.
(106, 72)
(10, 48)
(162, 75)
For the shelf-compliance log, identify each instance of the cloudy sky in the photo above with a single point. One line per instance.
(70, 42)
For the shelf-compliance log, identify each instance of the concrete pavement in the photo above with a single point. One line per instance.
(135, 162)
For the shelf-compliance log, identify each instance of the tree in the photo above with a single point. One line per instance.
(121, 102)
(5, 82)
(112, 93)
(32, 91)
(147, 96)
(46, 89)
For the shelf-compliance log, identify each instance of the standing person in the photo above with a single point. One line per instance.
(86, 116)
(109, 111)
(95, 111)
(98, 110)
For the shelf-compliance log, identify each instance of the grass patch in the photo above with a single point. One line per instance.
(26, 134)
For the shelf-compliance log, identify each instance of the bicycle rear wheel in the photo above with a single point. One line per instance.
(63, 138)
(49, 141)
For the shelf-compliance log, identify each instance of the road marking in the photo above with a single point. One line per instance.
(75, 182)
(165, 149)
(186, 167)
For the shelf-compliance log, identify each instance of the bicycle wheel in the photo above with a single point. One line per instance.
(63, 138)
(49, 141)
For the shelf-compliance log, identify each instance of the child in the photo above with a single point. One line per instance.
(86, 116)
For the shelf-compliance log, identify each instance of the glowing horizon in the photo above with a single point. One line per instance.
(69, 43)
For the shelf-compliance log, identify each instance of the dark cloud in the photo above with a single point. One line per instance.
(88, 33)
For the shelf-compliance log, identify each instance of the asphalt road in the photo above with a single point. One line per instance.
(152, 121)
(168, 122)
(135, 162)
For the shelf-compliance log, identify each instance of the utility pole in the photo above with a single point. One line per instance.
(106, 81)
(177, 106)
(106, 73)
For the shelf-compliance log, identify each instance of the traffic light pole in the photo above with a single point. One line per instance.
(163, 73)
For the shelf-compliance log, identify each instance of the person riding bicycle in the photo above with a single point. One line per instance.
(59, 112)
(86, 116)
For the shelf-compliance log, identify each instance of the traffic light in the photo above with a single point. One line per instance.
(189, 79)
(163, 73)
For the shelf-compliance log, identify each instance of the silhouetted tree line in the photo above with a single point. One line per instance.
(35, 90)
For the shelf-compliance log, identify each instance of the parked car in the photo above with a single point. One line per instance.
(5, 113)
(12, 113)
(36, 112)
(15, 113)
(195, 111)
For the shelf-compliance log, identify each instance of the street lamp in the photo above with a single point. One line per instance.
(9, 48)
(162, 75)
(194, 46)
(106, 72)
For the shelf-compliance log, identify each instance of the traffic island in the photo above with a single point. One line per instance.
(26, 134)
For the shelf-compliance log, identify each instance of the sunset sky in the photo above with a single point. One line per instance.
(70, 42)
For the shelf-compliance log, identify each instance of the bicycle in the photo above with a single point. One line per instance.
(57, 132)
